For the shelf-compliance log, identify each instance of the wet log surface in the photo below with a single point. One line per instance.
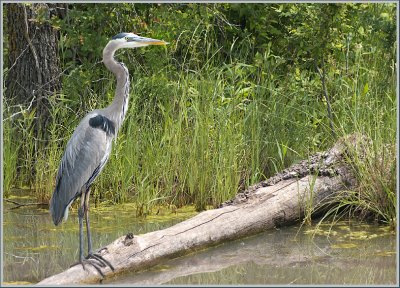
(281, 200)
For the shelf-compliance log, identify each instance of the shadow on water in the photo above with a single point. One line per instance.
(345, 253)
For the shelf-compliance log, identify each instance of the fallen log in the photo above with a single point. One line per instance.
(283, 199)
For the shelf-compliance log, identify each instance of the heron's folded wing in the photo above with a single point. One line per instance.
(84, 157)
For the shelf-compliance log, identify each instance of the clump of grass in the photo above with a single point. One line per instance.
(376, 194)
(374, 199)
(10, 158)
(373, 165)
(26, 161)
(367, 107)
(49, 157)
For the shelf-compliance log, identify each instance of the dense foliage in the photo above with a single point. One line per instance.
(241, 92)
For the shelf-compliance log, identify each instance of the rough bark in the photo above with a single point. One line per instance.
(283, 199)
(33, 63)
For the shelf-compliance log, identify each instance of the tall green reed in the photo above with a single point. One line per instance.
(200, 131)
(367, 107)
(10, 149)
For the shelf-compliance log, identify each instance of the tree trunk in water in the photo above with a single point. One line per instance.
(302, 190)
(33, 64)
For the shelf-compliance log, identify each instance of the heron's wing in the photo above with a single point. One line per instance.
(84, 157)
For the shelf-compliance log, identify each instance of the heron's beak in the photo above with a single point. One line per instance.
(146, 41)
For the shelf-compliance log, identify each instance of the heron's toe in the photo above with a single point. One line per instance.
(100, 259)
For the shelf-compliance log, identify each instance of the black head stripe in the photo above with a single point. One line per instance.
(103, 123)
(120, 35)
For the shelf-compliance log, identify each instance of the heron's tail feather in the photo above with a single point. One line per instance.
(56, 209)
(59, 203)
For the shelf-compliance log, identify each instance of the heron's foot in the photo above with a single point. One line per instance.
(96, 264)
(102, 262)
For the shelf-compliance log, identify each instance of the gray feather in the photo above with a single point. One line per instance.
(84, 157)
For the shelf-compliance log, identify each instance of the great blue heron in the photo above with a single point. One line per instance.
(89, 147)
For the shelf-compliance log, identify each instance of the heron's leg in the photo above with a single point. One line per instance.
(80, 215)
(82, 211)
(102, 262)
(89, 237)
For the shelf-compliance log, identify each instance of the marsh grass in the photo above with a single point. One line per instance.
(197, 133)
(374, 199)
(367, 107)
(9, 157)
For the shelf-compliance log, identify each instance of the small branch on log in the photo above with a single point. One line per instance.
(281, 200)
(18, 205)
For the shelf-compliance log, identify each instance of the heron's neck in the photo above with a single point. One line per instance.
(118, 108)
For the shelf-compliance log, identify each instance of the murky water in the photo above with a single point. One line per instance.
(34, 248)
(346, 253)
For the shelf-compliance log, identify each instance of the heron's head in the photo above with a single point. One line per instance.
(130, 40)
